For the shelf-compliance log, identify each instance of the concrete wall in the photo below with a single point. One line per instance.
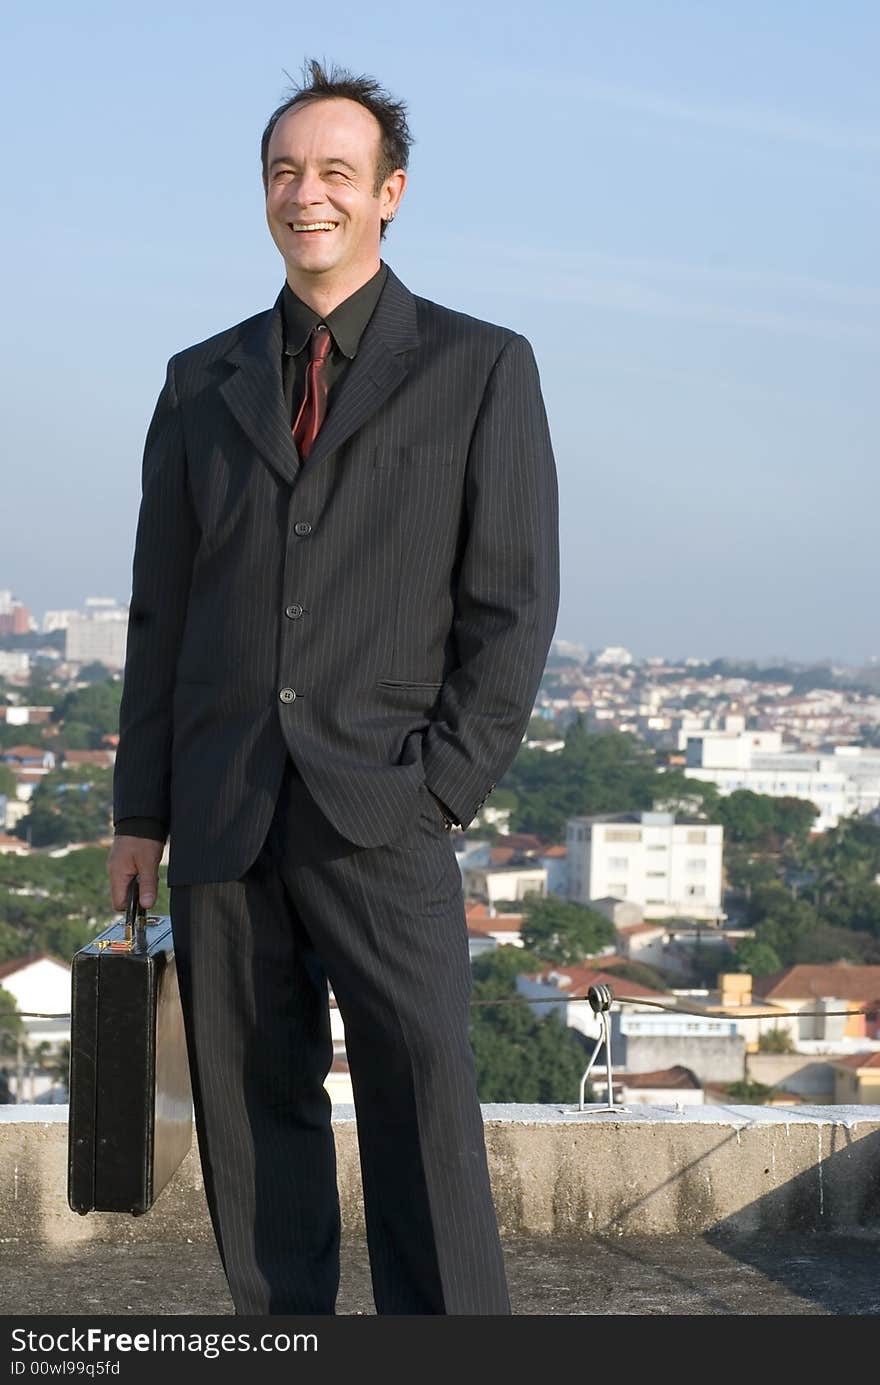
(794, 1072)
(555, 1170)
(710, 1059)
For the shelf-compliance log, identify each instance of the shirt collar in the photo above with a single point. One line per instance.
(346, 322)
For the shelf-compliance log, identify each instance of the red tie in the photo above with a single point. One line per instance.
(314, 405)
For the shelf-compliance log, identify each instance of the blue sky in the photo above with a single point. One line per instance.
(676, 203)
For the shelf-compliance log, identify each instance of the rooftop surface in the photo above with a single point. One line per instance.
(646, 1276)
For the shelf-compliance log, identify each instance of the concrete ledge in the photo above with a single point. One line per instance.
(647, 1171)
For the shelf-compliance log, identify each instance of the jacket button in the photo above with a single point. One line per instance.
(302, 526)
(293, 611)
(287, 694)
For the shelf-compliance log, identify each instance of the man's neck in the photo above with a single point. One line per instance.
(323, 295)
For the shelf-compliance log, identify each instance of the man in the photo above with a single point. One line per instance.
(345, 583)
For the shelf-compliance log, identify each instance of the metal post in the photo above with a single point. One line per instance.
(601, 999)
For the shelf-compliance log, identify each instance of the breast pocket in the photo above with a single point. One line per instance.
(414, 455)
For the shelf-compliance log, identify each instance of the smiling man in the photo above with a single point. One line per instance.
(344, 587)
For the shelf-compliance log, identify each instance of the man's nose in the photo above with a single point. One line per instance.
(307, 190)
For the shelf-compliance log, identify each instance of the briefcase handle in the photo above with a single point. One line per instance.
(135, 919)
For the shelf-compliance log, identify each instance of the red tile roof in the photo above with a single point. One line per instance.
(582, 977)
(843, 980)
(673, 1077)
(858, 1060)
(24, 752)
(501, 855)
(501, 923)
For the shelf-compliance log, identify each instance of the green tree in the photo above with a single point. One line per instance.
(748, 1093)
(95, 672)
(747, 817)
(676, 793)
(641, 973)
(70, 804)
(757, 958)
(611, 772)
(541, 729)
(775, 1041)
(563, 932)
(11, 1024)
(825, 943)
(96, 708)
(518, 1056)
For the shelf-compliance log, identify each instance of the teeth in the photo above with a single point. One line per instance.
(314, 225)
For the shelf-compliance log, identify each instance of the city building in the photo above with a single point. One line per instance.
(844, 781)
(40, 985)
(99, 634)
(670, 868)
(15, 618)
(821, 991)
(857, 1079)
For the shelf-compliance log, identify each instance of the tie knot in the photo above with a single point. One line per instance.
(321, 342)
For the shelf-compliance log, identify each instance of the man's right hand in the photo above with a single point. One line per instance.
(130, 857)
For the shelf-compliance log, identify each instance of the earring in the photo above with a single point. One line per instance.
(389, 218)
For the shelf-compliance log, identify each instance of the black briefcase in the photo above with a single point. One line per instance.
(130, 1122)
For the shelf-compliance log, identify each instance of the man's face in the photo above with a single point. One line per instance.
(321, 164)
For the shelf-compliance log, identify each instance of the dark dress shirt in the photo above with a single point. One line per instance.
(346, 324)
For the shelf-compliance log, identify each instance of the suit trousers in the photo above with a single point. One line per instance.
(386, 927)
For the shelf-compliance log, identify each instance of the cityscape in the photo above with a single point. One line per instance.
(703, 838)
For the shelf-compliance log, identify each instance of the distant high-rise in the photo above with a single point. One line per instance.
(15, 618)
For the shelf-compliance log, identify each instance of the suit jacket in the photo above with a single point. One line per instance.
(381, 613)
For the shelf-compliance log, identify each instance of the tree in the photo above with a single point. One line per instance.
(748, 1093)
(95, 672)
(95, 708)
(71, 804)
(780, 920)
(641, 973)
(603, 773)
(755, 957)
(775, 1041)
(563, 932)
(794, 818)
(825, 943)
(11, 1024)
(677, 793)
(746, 816)
(518, 1056)
(541, 729)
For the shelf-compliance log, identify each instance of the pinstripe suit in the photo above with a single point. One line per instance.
(292, 758)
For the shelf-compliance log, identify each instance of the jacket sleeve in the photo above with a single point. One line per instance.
(165, 545)
(507, 593)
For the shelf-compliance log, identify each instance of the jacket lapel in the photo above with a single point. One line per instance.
(254, 392)
(255, 396)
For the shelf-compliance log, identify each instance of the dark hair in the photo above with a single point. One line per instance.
(395, 139)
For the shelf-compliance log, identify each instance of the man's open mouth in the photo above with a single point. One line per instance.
(312, 228)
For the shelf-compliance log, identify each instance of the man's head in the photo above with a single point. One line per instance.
(336, 151)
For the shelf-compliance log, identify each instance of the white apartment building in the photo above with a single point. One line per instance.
(101, 636)
(842, 782)
(14, 664)
(59, 620)
(670, 868)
